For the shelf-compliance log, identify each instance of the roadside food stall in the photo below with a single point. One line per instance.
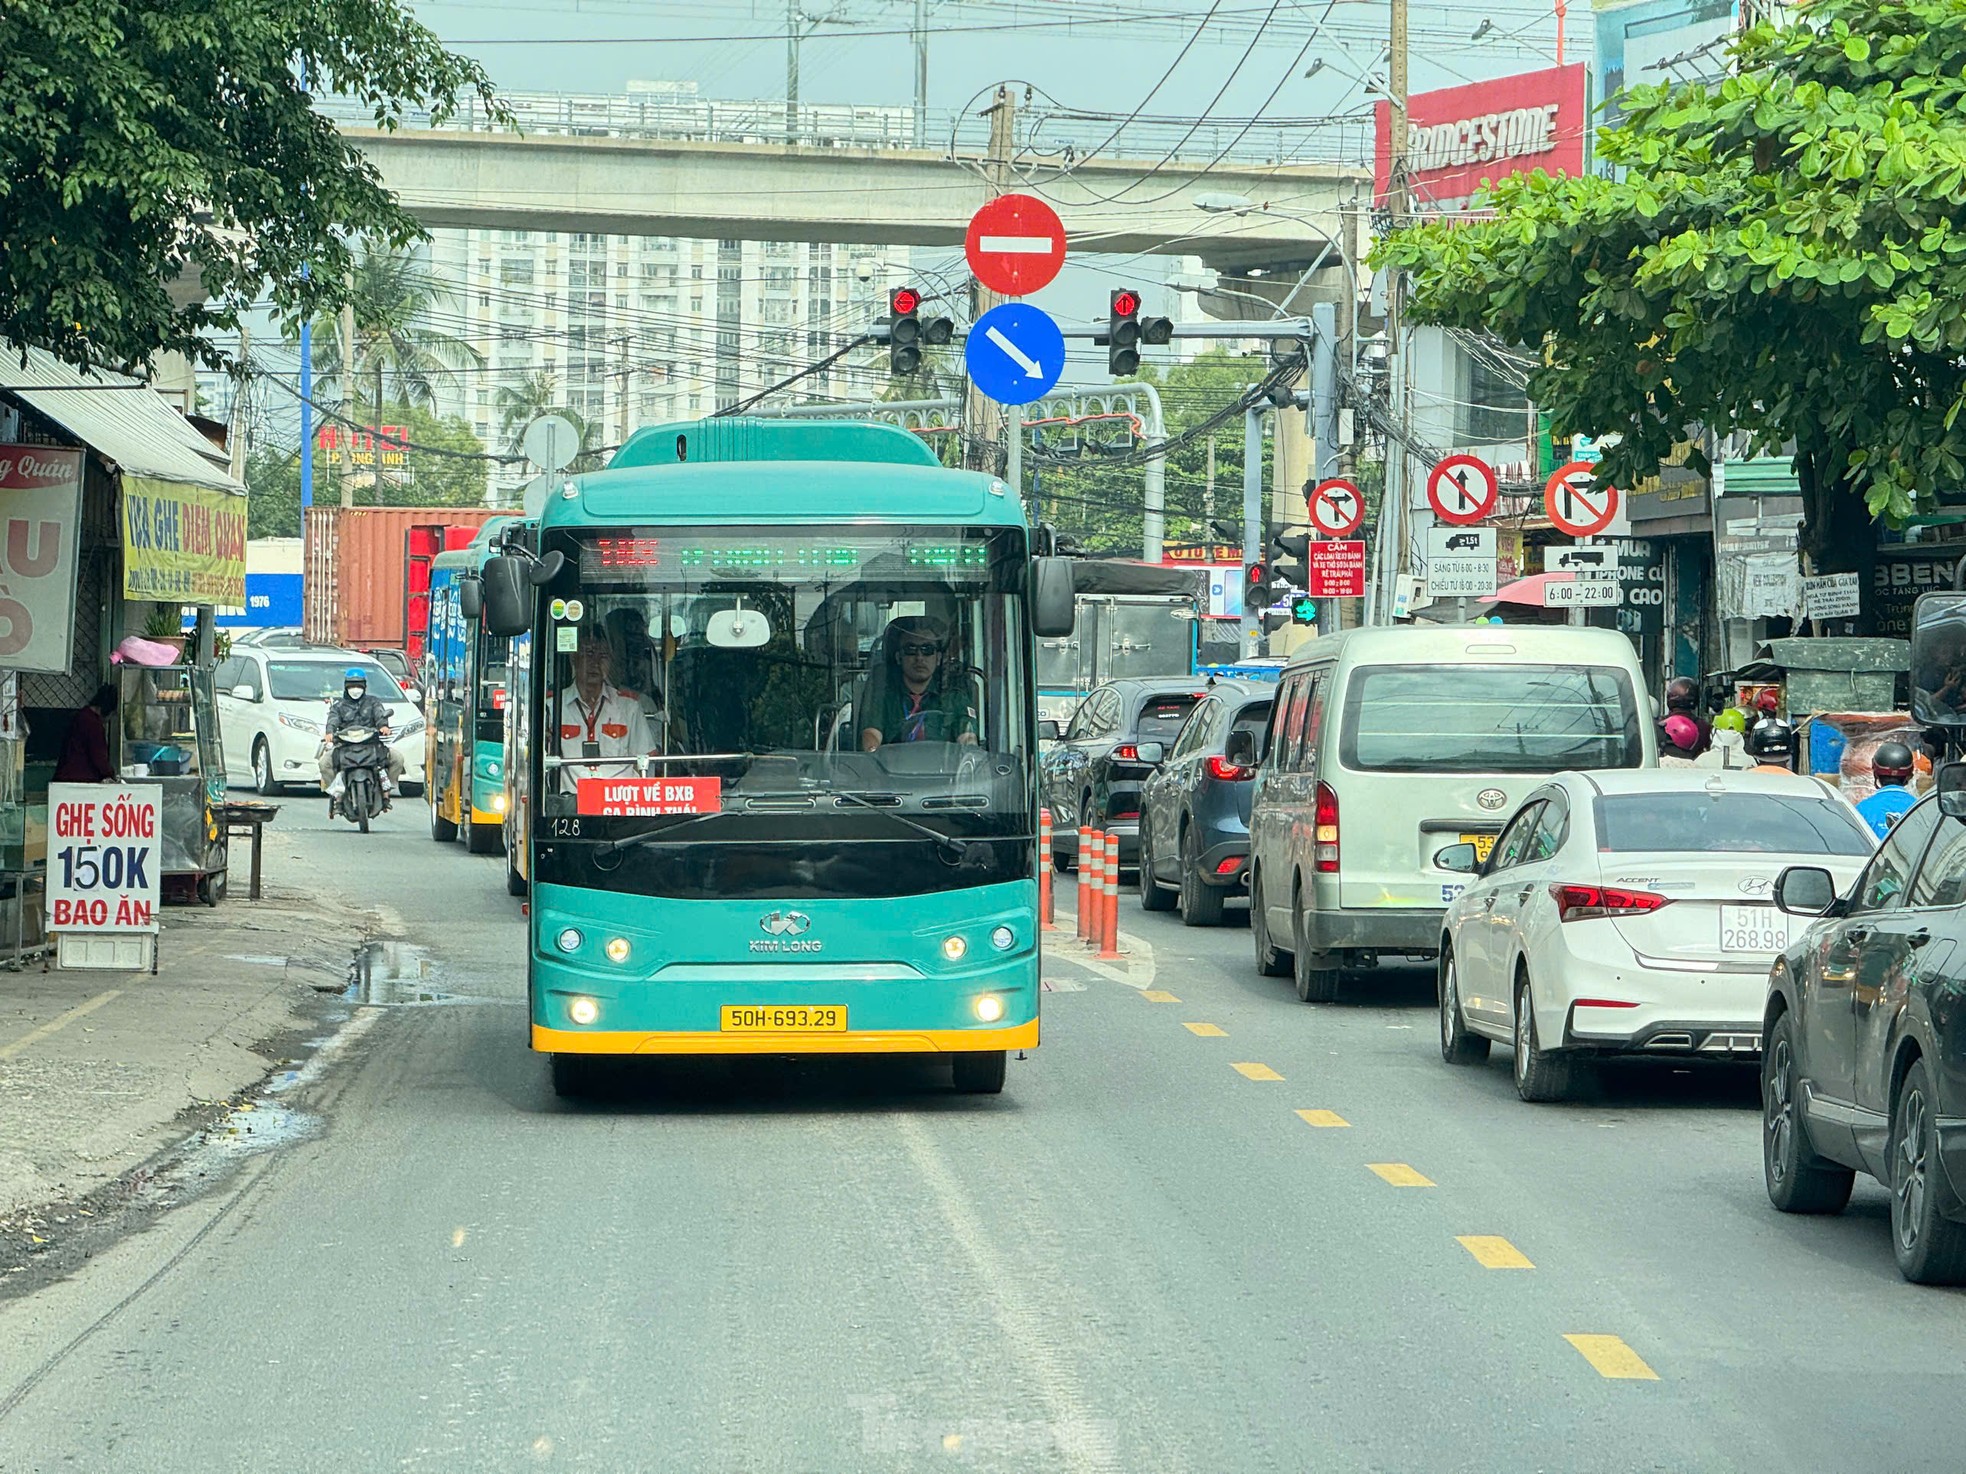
(167, 722)
(1846, 697)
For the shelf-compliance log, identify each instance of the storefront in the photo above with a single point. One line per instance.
(116, 513)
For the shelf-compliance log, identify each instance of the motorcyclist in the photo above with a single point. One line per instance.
(1679, 741)
(1891, 767)
(1771, 743)
(1683, 700)
(356, 708)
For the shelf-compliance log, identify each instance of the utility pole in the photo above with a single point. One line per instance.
(1208, 494)
(791, 71)
(1324, 424)
(1392, 509)
(346, 430)
(1253, 539)
(921, 73)
(979, 450)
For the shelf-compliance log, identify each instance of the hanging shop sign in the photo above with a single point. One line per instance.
(183, 544)
(40, 526)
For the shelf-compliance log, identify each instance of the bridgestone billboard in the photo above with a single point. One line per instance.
(1459, 137)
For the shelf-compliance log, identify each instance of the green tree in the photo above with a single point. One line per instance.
(273, 491)
(142, 141)
(538, 394)
(1782, 255)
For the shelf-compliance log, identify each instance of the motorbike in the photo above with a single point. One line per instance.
(359, 763)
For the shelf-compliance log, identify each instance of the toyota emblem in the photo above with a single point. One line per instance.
(785, 923)
(1491, 798)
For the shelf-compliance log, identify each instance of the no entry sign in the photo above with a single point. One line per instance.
(1337, 570)
(1336, 507)
(1575, 504)
(1015, 244)
(1462, 489)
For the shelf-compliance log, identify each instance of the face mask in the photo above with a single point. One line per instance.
(354, 693)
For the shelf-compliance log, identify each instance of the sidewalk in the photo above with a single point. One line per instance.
(99, 1071)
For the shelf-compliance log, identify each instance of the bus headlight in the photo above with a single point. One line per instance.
(989, 1008)
(617, 949)
(953, 948)
(498, 803)
(583, 1010)
(1002, 938)
(570, 939)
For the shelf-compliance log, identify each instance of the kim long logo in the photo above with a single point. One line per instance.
(785, 924)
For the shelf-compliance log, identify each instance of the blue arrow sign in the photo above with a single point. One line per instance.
(1015, 353)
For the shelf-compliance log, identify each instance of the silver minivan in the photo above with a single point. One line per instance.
(1387, 746)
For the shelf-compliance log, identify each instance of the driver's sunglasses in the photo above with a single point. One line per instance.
(921, 649)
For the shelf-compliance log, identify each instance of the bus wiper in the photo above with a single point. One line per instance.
(949, 851)
(654, 836)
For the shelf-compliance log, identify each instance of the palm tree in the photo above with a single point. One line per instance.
(399, 357)
(536, 395)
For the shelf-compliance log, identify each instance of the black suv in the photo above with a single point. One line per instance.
(1194, 811)
(1092, 775)
(1864, 1042)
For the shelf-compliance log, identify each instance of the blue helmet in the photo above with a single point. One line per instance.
(357, 674)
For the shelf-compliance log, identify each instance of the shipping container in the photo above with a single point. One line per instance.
(368, 572)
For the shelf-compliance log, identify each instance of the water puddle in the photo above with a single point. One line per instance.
(393, 974)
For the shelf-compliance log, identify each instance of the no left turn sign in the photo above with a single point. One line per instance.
(1462, 489)
(1336, 507)
(1575, 504)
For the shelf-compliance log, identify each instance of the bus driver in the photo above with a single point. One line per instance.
(908, 700)
(597, 719)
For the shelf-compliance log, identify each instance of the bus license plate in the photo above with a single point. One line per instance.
(801, 1018)
(1483, 843)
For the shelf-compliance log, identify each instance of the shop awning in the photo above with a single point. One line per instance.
(183, 515)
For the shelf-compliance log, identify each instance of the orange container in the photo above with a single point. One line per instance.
(367, 572)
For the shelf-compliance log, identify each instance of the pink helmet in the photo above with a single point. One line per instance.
(1683, 732)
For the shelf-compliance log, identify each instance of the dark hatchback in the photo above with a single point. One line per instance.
(1864, 1042)
(1093, 774)
(1194, 811)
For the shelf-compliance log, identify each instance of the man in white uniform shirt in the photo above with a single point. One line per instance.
(597, 719)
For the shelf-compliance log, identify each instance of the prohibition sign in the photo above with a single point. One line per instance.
(1462, 489)
(1575, 505)
(1336, 507)
(1015, 244)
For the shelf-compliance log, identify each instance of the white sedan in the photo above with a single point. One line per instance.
(1631, 912)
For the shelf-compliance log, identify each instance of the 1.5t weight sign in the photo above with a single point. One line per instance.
(105, 858)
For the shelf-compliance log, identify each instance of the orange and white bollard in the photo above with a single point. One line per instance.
(1109, 912)
(1045, 921)
(1086, 883)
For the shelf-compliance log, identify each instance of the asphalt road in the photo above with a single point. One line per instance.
(1143, 1257)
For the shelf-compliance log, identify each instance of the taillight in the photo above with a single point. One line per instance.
(1228, 772)
(1585, 902)
(1325, 851)
(1126, 752)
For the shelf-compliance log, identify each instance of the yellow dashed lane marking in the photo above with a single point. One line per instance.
(1613, 1358)
(1399, 1174)
(53, 1026)
(1252, 1071)
(1323, 1118)
(1206, 1031)
(1492, 1252)
(1158, 995)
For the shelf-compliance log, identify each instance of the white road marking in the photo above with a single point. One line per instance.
(1017, 355)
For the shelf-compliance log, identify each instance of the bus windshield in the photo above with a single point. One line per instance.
(793, 683)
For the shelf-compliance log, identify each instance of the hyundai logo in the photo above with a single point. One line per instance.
(1756, 885)
(1491, 798)
(785, 923)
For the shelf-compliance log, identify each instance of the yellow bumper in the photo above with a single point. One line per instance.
(866, 1041)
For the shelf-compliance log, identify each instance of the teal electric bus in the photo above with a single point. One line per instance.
(464, 684)
(778, 752)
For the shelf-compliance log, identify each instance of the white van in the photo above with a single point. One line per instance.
(1386, 746)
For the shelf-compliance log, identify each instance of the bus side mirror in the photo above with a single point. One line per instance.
(506, 595)
(470, 600)
(1938, 660)
(1052, 598)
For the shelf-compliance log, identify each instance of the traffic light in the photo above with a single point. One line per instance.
(1261, 588)
(1123, 334)
(1303, 610)
(904, 331)
(1295, 574)
(1126, 330)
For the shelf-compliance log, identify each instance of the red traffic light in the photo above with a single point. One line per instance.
(1126, 302)
(1257, 575)
(903, 301)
